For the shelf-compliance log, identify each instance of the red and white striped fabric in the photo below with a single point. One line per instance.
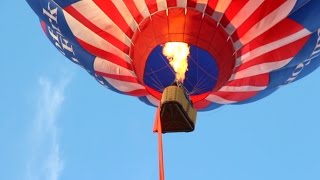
(242, 35)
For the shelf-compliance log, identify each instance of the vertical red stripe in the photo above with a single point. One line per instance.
(258, 80)
(137, 93)
(103, 34)
(236, 96)
(232, 10)
(208, 29)
(192, 3)
(118, 77)
(111, 10)
(199, 97)
(177, 20)
(152, 6)
(105, 55)
(202, 104)
(211, 6)
(282, 53)
(193, 23)
(160, 24)
(44, 27)
(263, 10)
(133, 10)
(273, 34)
(172, 3)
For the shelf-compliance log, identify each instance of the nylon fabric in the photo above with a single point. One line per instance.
(258, 46)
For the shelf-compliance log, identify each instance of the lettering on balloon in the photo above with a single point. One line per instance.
(315, 53)
(62, 44)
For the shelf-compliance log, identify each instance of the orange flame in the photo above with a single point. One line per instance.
(177, 53)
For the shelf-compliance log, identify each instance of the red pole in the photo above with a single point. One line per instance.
(158, 128)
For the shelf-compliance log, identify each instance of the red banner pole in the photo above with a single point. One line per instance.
(158, 128)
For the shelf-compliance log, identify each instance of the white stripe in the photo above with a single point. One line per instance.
(95, 15)
(243, 15)
(182, 3)
(142, 7)
(125, 13)
(260, 69)
(218, 99)
(162, 5)
(201, 5)
(153, 100)
(124, 86)
(272, 46)
(266, 23)
(105, 66)
(241, 88)
(220, 9)
(88, 36)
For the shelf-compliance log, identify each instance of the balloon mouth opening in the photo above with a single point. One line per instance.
(210, 63)
(200, 70)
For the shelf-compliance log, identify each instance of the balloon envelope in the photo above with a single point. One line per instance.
(241, 50)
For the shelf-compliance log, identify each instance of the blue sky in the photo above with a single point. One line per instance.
(58, 123)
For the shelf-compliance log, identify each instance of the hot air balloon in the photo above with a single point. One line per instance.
(238, 51)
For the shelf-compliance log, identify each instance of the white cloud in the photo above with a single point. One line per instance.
(45, 161)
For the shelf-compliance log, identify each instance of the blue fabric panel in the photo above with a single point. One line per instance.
(290, 72)
(299, 4)
(306, 62)
(260, 95)
(308, 15)
(212, 106)
(65, 3)
(295, 73)
(60, 35)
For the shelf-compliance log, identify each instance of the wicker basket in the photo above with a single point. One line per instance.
(177, 113)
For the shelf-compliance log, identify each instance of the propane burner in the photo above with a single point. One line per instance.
(176, 110)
